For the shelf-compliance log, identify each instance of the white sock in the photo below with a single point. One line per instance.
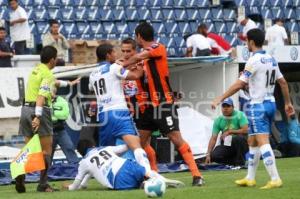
(253, 162)
(269, 161)
(141, 158)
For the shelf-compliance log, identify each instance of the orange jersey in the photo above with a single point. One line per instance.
(156, 78)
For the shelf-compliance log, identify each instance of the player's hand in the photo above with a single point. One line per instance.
(208, 160)
(74, 82)
(215, 103)
(12, 23)
(289, 109)
(65, 186)
(35, 123)
(120, 62)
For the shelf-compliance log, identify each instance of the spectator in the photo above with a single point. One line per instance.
(57, 40)
(248, 25)
(6, 52)
(234, 127)
(276, 35)
(219, 46)
(19, 27)
(197, 45)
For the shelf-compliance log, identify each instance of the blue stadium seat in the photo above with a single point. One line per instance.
(168, 14)
(289, 13)
(105, 3)
(96, 28)
(253, 10)
(79, 3)
(70, 30)
(32, 27)
(193, 26)
(179, 42)
(180, 15)
(292, 26)
(276, 3)
(68, 14)
(263, 3)
(54, 13)
(144, 14)
(3, 2)
(240, 3)
(67, 2)
(109, 28)
(220, 27)
(42, 27)
(80, 13)
(106, 15)
(202, 3)
(129, 3)
(142, 3)
(171, 28)
(23, 3)
(184, 28)
(92, 2)
(84, 29)
(266, 13)
(4, 14)
(93, 14)
(229, 14)
(180, 3)
(232, 40)
(41, 14)
(119, 14)
(131, 14)
(54, 3)
(204, 14)
(30, 13)
(231, 27)
(217, 13)
(155, 3)
(210, 27)
(296, 3)
(192, 14)
(156, 14)
(122, 29)
(131, 26)
(252, 3)
(277, 13)
(287, 3)
(167, 3)
(159, 28)
(40, 2)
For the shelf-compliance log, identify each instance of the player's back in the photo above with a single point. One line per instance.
(107, 86)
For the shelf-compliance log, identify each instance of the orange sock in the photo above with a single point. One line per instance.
(188, 158)
(151, 156)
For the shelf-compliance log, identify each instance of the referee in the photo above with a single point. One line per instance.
(36, 113)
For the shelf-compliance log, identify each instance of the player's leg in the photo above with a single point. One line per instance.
(145, 136)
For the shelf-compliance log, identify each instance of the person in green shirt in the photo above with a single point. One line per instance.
(233, 125)
(36, 113)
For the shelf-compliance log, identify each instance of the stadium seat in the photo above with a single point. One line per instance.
(220, 27)
(266, 13)
(229, 14)
(70, 30)
(131, 26)
(40, 2)
(231, 27)
(168, 14)
(192, 14)
(296, 3)
(55, 3)
(23, 3)
(179, 42)
(217, 13)
(263, 3)
(171, 28)
(193, 26)
(32, 27)
(156, 14)
(68, 14)
(276, 3)
(204, 14)
(292, 26)
(79, 3)
(131, 14)
(4, 14)
(253, 10)
(180, 3)
(289, 13)
(287, 3)
(155, 3)
(42, 27)
(122, 28)
(203, 3)
(250, 3)
(54, 13)
(142, 3)
(93, 14)
(84, 30)
(210, 27)
(167, 3)
(92, 2)
(277, 13)
(232, 40)
(67, 2)
(106, 15)
(180, 15)
(109, 28)
(96, 28)
(184, 28)
(144, 14)
(80, 13)
(118, 14)
(105, 3)
(159, 27)
(240, 3)
(41, 14)
(129, 3)
(3, 2)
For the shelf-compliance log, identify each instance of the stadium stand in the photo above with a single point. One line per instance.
(107, 19)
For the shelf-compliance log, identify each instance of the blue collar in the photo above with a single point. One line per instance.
(104, 63)
(259, 52)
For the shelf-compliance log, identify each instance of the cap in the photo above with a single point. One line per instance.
(228, 101)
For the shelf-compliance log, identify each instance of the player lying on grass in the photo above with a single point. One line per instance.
(112, 171)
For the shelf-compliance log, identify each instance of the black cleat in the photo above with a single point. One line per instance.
(46, 188)
(20, 184)
(198, 181)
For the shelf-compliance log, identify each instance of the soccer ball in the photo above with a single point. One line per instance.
(154, 187)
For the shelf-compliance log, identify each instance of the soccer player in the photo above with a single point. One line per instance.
(114, 117)
(261, 73)
(160, 113)
(112, 171)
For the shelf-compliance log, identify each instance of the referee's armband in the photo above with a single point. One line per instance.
(38, 111)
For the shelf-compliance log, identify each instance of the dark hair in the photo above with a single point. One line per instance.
(257, 36)
(103, 50)
(13, 0)
(2, 29)
(53, 21)
(202, 26)
(131, 41)
(278, 20)
(145, 30)
(48, 53)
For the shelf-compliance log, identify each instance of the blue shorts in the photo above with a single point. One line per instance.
(260, 117)
(113, 125)
(130, 176)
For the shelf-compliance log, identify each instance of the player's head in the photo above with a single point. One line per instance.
(2, 33)
(54, 26)
(106, 52)
(227, 107)
(48, 56)
(128, 48)
(243, 20)
(255, 39)
(279, 21)
(202, 29)
(13, 4)
(144, 32)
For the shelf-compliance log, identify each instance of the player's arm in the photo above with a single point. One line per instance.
(119, 149)
(134, 74)
(289, 109)
(63, 83)
(85, 180)
(82, 172)
(211, 145)
(137, 58)
(189, 52)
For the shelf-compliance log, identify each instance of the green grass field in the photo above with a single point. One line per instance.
(219, 184)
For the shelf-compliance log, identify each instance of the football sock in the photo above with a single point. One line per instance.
(188, 158)
(151, 156)
(141, 158)
(253, 162)
(269, 161)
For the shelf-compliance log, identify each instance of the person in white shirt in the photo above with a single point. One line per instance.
(261, 73)
(112, 171)
(19, 27)
(197, 45)
(248, 25)
(276, 35)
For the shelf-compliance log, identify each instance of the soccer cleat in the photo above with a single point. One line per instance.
(272, 184)
(173, 183)
(198, 181)
(245, 182)
(20, 184)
